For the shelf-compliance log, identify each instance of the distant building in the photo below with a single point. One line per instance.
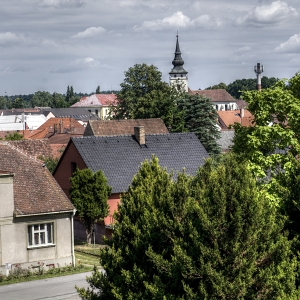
(178, 75)
(220, 98)
(97, 104)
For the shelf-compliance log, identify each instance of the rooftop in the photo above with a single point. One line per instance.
(35, 189)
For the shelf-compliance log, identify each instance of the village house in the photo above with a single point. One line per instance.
(36, 217)
(97, 104)
(120, 156)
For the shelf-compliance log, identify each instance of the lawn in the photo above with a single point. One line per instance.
(86, 257)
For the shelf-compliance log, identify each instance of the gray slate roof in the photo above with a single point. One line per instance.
(120, 157)
(77, 113)
(225, 140)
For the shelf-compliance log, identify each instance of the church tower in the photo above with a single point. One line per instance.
(178, 74)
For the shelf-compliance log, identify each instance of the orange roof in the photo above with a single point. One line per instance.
(67, 123)
(229, 117)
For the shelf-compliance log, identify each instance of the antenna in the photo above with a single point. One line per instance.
(258, 69)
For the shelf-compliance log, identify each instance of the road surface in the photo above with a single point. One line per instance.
(45, 289)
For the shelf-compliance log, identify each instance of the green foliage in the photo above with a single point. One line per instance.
(50, 162)
(208, 237)
(200, 117)
(71, 98)
(221, 85)
(14, 136)
(237, 87)
(89, 194)
(18, 103)
(98, 89)
(277, 128)
(42, 99)
(58, 101)
(144, 95)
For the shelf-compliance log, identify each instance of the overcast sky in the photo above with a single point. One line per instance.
(46, 45)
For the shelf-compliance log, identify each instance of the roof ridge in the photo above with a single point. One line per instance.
(20, 151)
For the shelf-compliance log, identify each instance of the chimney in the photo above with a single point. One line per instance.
(242, 115)
(61, 126)
(139, 133)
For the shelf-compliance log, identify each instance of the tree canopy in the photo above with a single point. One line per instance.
(144, 95)
(89, 194)
(208, 237)
(237, 87)
(275, 138)
(200, 116)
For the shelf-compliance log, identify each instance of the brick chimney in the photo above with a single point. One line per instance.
(139, 133)
(61, 126)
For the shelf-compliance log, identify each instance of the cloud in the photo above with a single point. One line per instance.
(177, 20)
(275, 13)
(8, 39)
(89, 32)
(292, 45)
(81, 65)
(242, 54)
(61, 3)
(14, 69)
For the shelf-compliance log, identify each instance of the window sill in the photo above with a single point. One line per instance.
(40, 246)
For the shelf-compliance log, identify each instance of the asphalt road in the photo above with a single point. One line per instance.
(52, 288)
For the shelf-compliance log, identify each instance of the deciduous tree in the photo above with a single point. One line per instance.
(89, 194)
(144, 95)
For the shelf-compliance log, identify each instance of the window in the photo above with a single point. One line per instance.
(73, 167)
(40, 234)
(96, 112)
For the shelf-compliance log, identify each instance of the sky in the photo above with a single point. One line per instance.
(46, 45)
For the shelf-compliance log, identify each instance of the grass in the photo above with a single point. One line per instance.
(86, 257)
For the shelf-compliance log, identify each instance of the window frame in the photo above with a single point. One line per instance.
(43, 231)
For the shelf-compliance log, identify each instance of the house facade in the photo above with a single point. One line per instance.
(36, 217)
(97, 104)
(220, 98)
(120, 156)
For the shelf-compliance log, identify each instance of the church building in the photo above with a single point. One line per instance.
(220, 98)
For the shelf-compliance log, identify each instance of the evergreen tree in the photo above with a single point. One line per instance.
(98, 89)
(89, 194)
(210, 237)
(201, 117)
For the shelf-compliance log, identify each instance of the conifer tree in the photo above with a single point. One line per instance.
(98, 89)
(201, 117)
(89, 194)
(210, 237)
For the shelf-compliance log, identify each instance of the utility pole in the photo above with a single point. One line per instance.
(258, 69)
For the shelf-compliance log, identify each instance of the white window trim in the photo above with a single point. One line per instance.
(31, 232)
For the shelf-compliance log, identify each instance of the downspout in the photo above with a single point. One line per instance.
(72, 238)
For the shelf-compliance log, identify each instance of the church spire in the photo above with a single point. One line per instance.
(178, 74)
(177, 61)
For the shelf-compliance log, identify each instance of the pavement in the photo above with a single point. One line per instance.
(45, 289)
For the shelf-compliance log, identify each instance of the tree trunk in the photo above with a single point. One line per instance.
(89, 233)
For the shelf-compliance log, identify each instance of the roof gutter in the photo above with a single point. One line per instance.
(42, 214)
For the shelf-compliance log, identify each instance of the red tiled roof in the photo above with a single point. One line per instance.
(121, 127)
(219, 95)
(35, 189)
(67, 123)
(229, 117)
(97, 100)
(34, 148)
